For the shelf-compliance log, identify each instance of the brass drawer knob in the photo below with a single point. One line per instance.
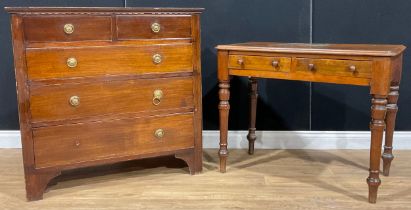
(159, 133)
(240, 62)
(68, 28)
(311, 67)
(74, 101)
(155, 27)
(157, 96)
(352, 68)
(275, 64)
(71, 62)
(157, 59)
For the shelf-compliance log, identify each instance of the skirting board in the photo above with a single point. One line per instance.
(273, 139)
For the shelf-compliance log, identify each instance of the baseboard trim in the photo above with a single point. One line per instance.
(10, 139)
(304, 139)
(272, 139)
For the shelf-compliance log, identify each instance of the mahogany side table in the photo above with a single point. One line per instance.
(376, 66)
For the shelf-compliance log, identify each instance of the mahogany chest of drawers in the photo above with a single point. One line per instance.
(103, 85)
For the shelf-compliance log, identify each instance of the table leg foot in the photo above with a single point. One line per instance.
(373, 184)
(223, 164)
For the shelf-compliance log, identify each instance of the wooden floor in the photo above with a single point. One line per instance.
(270, 179)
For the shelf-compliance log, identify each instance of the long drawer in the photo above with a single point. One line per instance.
(109, 60)
(76, 100)
(334, 67)
(69, 144)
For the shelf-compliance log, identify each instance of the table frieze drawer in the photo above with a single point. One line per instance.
(265, 63)
(80, 101)
(66, 28)
(153, 26)
(71, 144)
(109, 60)
(334, 67)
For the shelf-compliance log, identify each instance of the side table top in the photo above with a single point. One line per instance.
(383, 50)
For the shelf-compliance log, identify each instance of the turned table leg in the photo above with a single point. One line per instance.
(224, 107)
(377, 126)
(392, 110)
(253, 110)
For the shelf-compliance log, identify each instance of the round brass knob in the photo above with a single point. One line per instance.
(157, 95)
(71, 62)
(311, 67)
(275, 64)
(240, 62)
(352, 68)
(155, 27)
(159, 133)
(157, 59)
(68, 28)
(74, 101)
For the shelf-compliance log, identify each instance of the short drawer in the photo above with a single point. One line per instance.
(67, 28)
(84, 100)
(109, 60)
(280, 64)
(335, 67)
(153, 27)
(70, 144)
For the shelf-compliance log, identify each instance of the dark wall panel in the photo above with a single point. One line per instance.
(283, 105)
(8, 102)
(353, 21)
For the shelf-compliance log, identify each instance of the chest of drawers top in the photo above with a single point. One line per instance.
(49, 24)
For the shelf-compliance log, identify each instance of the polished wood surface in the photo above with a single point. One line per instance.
(376, 66)
(270, 179)
(87, 98)
(277, 64)
(51, 28)
(139, 27)
(56, 146)
(103, 10)
(321, 49)
(51, 103)
(344, 68)
(99, 61)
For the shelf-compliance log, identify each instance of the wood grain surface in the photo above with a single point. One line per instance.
(270, 179)
(69, 144)
(139, 27)
(51, 103)
(335, 67)
(113, 60)
(260, 63)
(51, 28)
(318, 48)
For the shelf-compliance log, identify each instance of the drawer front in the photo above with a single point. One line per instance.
(153, 27)
(69, 144)
(112, 60)
(349, 68)
(67, 28)
(77, 101)
(280, 64)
